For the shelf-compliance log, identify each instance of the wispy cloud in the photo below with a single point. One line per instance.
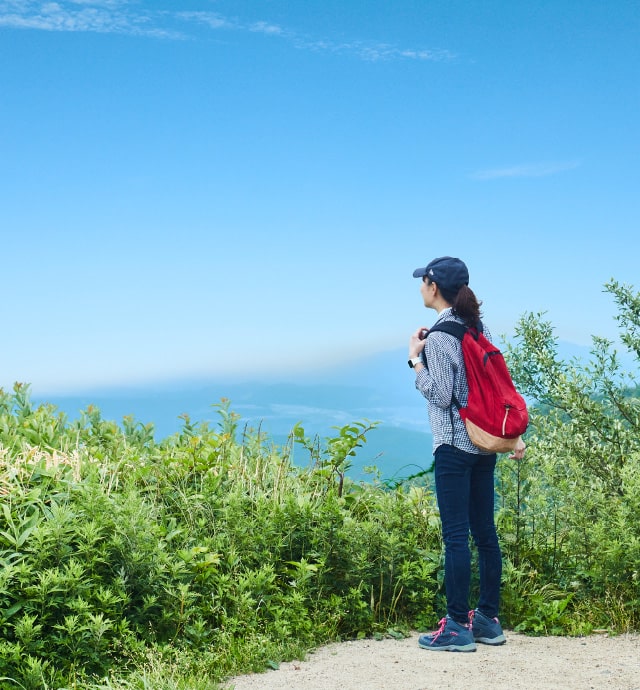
(126, 17)
(100, 3)
(267, 28)
(527, 170)
(96, 16)
(371, 51)
(210, 19)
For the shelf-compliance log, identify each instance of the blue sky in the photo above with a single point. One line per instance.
(203, 187)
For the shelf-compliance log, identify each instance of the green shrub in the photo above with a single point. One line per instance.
(211, 550)
(569, 512)
(131, 563)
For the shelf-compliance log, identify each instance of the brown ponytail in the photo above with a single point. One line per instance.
(465, 305)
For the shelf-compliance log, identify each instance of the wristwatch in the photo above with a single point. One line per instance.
(414, 361)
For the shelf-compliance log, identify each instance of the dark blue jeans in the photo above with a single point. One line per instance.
(465, 492)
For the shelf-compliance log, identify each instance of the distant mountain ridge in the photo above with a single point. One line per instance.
(378, 388)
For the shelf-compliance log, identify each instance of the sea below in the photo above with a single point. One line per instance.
(381, 391)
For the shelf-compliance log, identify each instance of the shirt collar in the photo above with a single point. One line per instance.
(444, 313)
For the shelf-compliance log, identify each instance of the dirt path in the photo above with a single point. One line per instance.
(524, 663)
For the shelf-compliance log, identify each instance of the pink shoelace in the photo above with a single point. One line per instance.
(436, 633)
(473, 613)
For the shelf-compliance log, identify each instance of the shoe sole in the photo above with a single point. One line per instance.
(495, 641)
(450, 647)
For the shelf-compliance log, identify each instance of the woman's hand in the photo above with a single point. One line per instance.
(518, 451)
(416, 342)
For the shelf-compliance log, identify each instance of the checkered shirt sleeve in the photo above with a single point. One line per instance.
(444, 377)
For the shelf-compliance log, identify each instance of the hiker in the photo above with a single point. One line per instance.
(464, 473)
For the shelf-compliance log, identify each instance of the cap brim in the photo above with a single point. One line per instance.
(420, 273)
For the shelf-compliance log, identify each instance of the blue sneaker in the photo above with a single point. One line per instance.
(486, 630)
(450, 637)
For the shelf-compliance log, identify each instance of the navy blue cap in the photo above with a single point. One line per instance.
(449, 273)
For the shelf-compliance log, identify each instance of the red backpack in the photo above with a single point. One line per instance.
(496, 414)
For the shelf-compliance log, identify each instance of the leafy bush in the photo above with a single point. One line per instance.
(210, 548)
(569, 512)
(131, 563)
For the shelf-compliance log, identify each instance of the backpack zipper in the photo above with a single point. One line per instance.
(504, 421)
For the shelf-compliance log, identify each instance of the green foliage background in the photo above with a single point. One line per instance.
(131, 563)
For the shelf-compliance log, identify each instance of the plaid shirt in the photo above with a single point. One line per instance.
(444, 377)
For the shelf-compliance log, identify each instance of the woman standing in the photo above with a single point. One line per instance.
(464, 474)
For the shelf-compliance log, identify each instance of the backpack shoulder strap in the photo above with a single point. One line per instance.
(451, 327)
(458, 330)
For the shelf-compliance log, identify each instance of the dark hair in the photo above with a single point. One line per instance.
(465, 304)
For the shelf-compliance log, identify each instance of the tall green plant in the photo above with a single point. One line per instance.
(593, 405)
(209, 550)
(568, 511)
